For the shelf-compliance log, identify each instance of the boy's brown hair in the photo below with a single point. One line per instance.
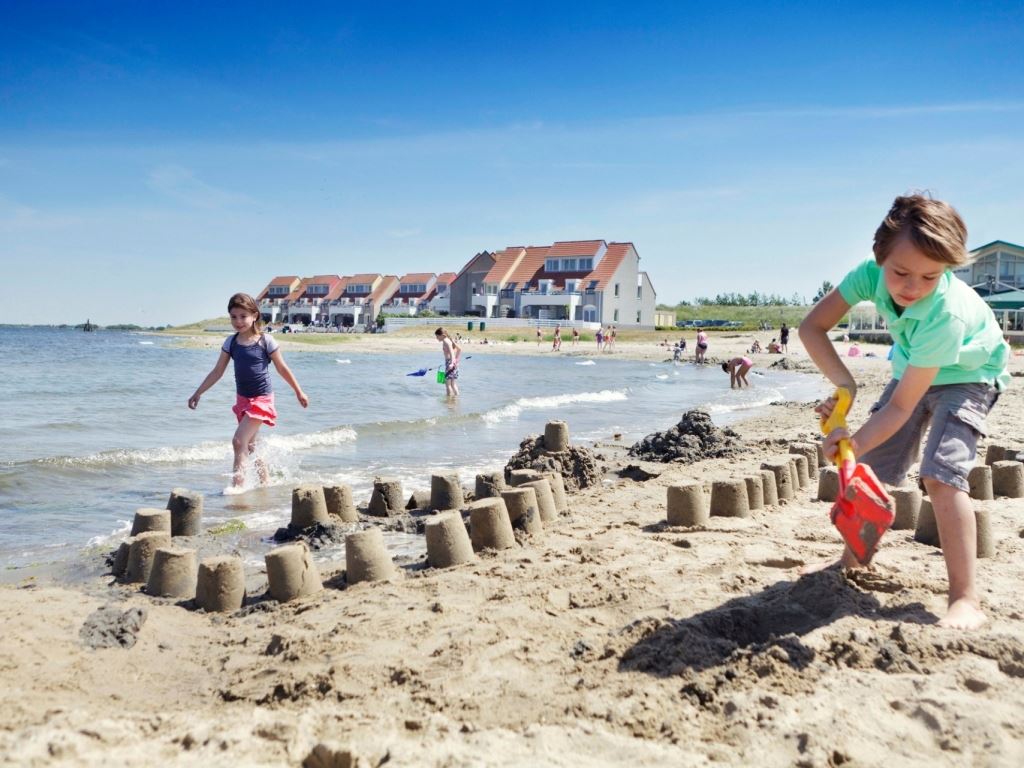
(932, 226)
(248, 303)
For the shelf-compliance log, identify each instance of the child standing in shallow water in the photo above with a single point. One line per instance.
(452, 353)
(948, 367)
(252, 353)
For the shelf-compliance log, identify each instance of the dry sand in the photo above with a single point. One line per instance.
(613, 640)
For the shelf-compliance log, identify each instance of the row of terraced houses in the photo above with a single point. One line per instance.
(586, 281)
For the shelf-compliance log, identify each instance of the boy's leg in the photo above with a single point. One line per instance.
(958, 534)
(960, 418)
(244, 435)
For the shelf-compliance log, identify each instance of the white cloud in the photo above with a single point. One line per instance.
(181, 184)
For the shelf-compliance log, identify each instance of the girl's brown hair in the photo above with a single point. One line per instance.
(442, 333)
(248, 303)
(932, 226)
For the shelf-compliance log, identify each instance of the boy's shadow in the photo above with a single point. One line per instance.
(778, 615)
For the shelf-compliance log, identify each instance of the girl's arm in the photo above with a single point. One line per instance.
(814, 335)
(211, 378)
(288, 376)
(732, 374)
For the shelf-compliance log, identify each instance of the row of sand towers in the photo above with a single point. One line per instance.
(526, 503)
(779, 480)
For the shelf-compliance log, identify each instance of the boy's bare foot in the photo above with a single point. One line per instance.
(846, 561)
(963, 614)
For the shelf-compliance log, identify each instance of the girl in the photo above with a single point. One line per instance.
(452, 353)
(252, 351)
(737, 369)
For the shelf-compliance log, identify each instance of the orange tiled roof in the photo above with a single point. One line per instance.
(286, 280)
(301, 289)
(531, 264)
(609, 263)
(337, 289)
(363, 279)
(445, 278)
(576, 248)
(417, 277)
(387, 288)
(504, 262)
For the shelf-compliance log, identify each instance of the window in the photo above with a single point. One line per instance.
(358, 288)
(568, 265)
(586, 264)
(492, 289)
(571, 286)
(416, 288)
(316, 290)
(615, 316)
(639, 292)
(551, 265)
(510, 286)
(638, 318)
(616, 289)
(592, 286)
(278, 290)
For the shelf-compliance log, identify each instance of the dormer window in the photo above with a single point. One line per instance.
(278, 290)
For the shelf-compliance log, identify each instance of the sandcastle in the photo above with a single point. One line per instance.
(828, 484)
(979, 481)
(489, 525)
(445, 491)
(340, 504)
(448, 543)
(140, 555)
(366, 557)
(220, 584)
(386, 499)
(687, 504)
(173, 574)
(148, 519)
(907, 503)
(489, 485)
(769, 492)
(783, 471)
(1008, 479)
(755, 491)
(309, 506)
(522, 508)
(545, 499)
(186, 508)
(291, 572)
(729, 498)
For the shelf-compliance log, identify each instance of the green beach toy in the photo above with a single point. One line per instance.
(440, 377)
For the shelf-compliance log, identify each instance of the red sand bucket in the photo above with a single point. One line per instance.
(864, 510)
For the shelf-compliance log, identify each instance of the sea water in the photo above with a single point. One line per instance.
(97, 425)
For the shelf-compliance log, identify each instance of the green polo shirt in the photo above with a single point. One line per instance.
(951, 329)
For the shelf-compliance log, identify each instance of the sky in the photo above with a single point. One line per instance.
(155, 158)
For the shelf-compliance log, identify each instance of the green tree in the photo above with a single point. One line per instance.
(826, 286)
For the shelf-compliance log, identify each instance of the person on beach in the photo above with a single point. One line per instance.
(737, 369)
(784, 338)
(677, 354)
(755, 348)
(252, 352)
(540, 336)
(948, 368)
(702, 347)
(575, 336)
(600, 339)
(452, 354)
(612, 337)
(556, 339)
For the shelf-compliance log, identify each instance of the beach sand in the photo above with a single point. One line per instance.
(613, 639)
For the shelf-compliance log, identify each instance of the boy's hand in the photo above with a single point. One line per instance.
(193, 402)
(830, 445)
(825, 407)
(303, 400)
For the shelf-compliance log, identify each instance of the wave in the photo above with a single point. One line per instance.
(208, 451)
(342, 362)
(586, 362)
(512, 411)
(146, 343)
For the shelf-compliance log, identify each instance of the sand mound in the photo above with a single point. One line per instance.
(110, 627)
(577, 466)
(693, 439)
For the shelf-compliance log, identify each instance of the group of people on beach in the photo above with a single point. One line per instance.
(949, 365)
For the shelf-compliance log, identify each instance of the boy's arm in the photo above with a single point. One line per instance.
(211, 378)
(286, 373)
(887, 420)
(814, 335)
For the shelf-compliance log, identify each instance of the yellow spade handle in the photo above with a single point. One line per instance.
(837, 420)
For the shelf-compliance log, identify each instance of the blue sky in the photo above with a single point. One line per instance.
(157, 157)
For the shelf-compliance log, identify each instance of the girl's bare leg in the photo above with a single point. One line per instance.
(244, 435)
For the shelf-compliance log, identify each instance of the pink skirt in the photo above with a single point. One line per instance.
(260, 408)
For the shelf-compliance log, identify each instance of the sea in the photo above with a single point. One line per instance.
(97, 425)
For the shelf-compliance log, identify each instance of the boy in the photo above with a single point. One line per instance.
(949, 365)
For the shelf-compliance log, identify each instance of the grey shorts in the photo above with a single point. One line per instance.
(955, 416)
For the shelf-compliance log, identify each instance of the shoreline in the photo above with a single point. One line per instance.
(615, 638)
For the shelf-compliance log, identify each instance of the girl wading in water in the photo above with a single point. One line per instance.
(252, 352)
(452, 353)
